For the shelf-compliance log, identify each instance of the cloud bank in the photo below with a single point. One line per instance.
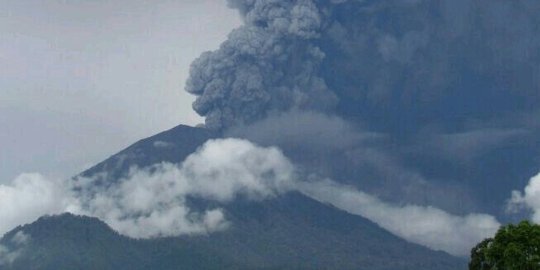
(28, 197)
(153, 202)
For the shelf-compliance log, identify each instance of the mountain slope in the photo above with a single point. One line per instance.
(296, 230)
(289, 232)
(75, 242)
(172, 146)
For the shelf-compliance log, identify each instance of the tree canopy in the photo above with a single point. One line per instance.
(514, 247)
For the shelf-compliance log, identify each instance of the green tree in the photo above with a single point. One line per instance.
(514, 247)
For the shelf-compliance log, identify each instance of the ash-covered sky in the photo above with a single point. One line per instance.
(79, 79)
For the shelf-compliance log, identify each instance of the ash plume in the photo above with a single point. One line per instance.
(269, 64)
(452, 85)
(397, 65)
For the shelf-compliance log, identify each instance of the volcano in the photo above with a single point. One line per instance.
(290, 231)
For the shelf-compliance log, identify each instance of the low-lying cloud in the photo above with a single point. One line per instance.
(17, 244)
(425, 225)
(28, 197)
(528, 199)
(153, 202)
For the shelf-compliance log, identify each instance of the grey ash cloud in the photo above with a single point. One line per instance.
(397, 65)
(452, 85)
(269, 64)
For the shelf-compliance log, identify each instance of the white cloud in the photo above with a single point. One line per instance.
(529, 198)
(28, 197)
(151, 202)
(425, 225)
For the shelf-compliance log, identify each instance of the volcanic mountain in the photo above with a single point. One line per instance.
(290, 231)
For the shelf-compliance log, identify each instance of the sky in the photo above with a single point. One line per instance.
(81, 80)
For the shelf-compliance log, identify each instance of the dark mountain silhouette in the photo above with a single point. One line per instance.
(290, 232)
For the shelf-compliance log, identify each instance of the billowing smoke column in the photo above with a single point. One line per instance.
(269, 64)
(397, 65)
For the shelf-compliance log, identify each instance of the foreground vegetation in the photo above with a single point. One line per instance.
(514, 247)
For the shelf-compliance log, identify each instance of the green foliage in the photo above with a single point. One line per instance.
(514, 247)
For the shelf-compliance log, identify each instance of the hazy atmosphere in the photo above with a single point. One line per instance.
(80, 80)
